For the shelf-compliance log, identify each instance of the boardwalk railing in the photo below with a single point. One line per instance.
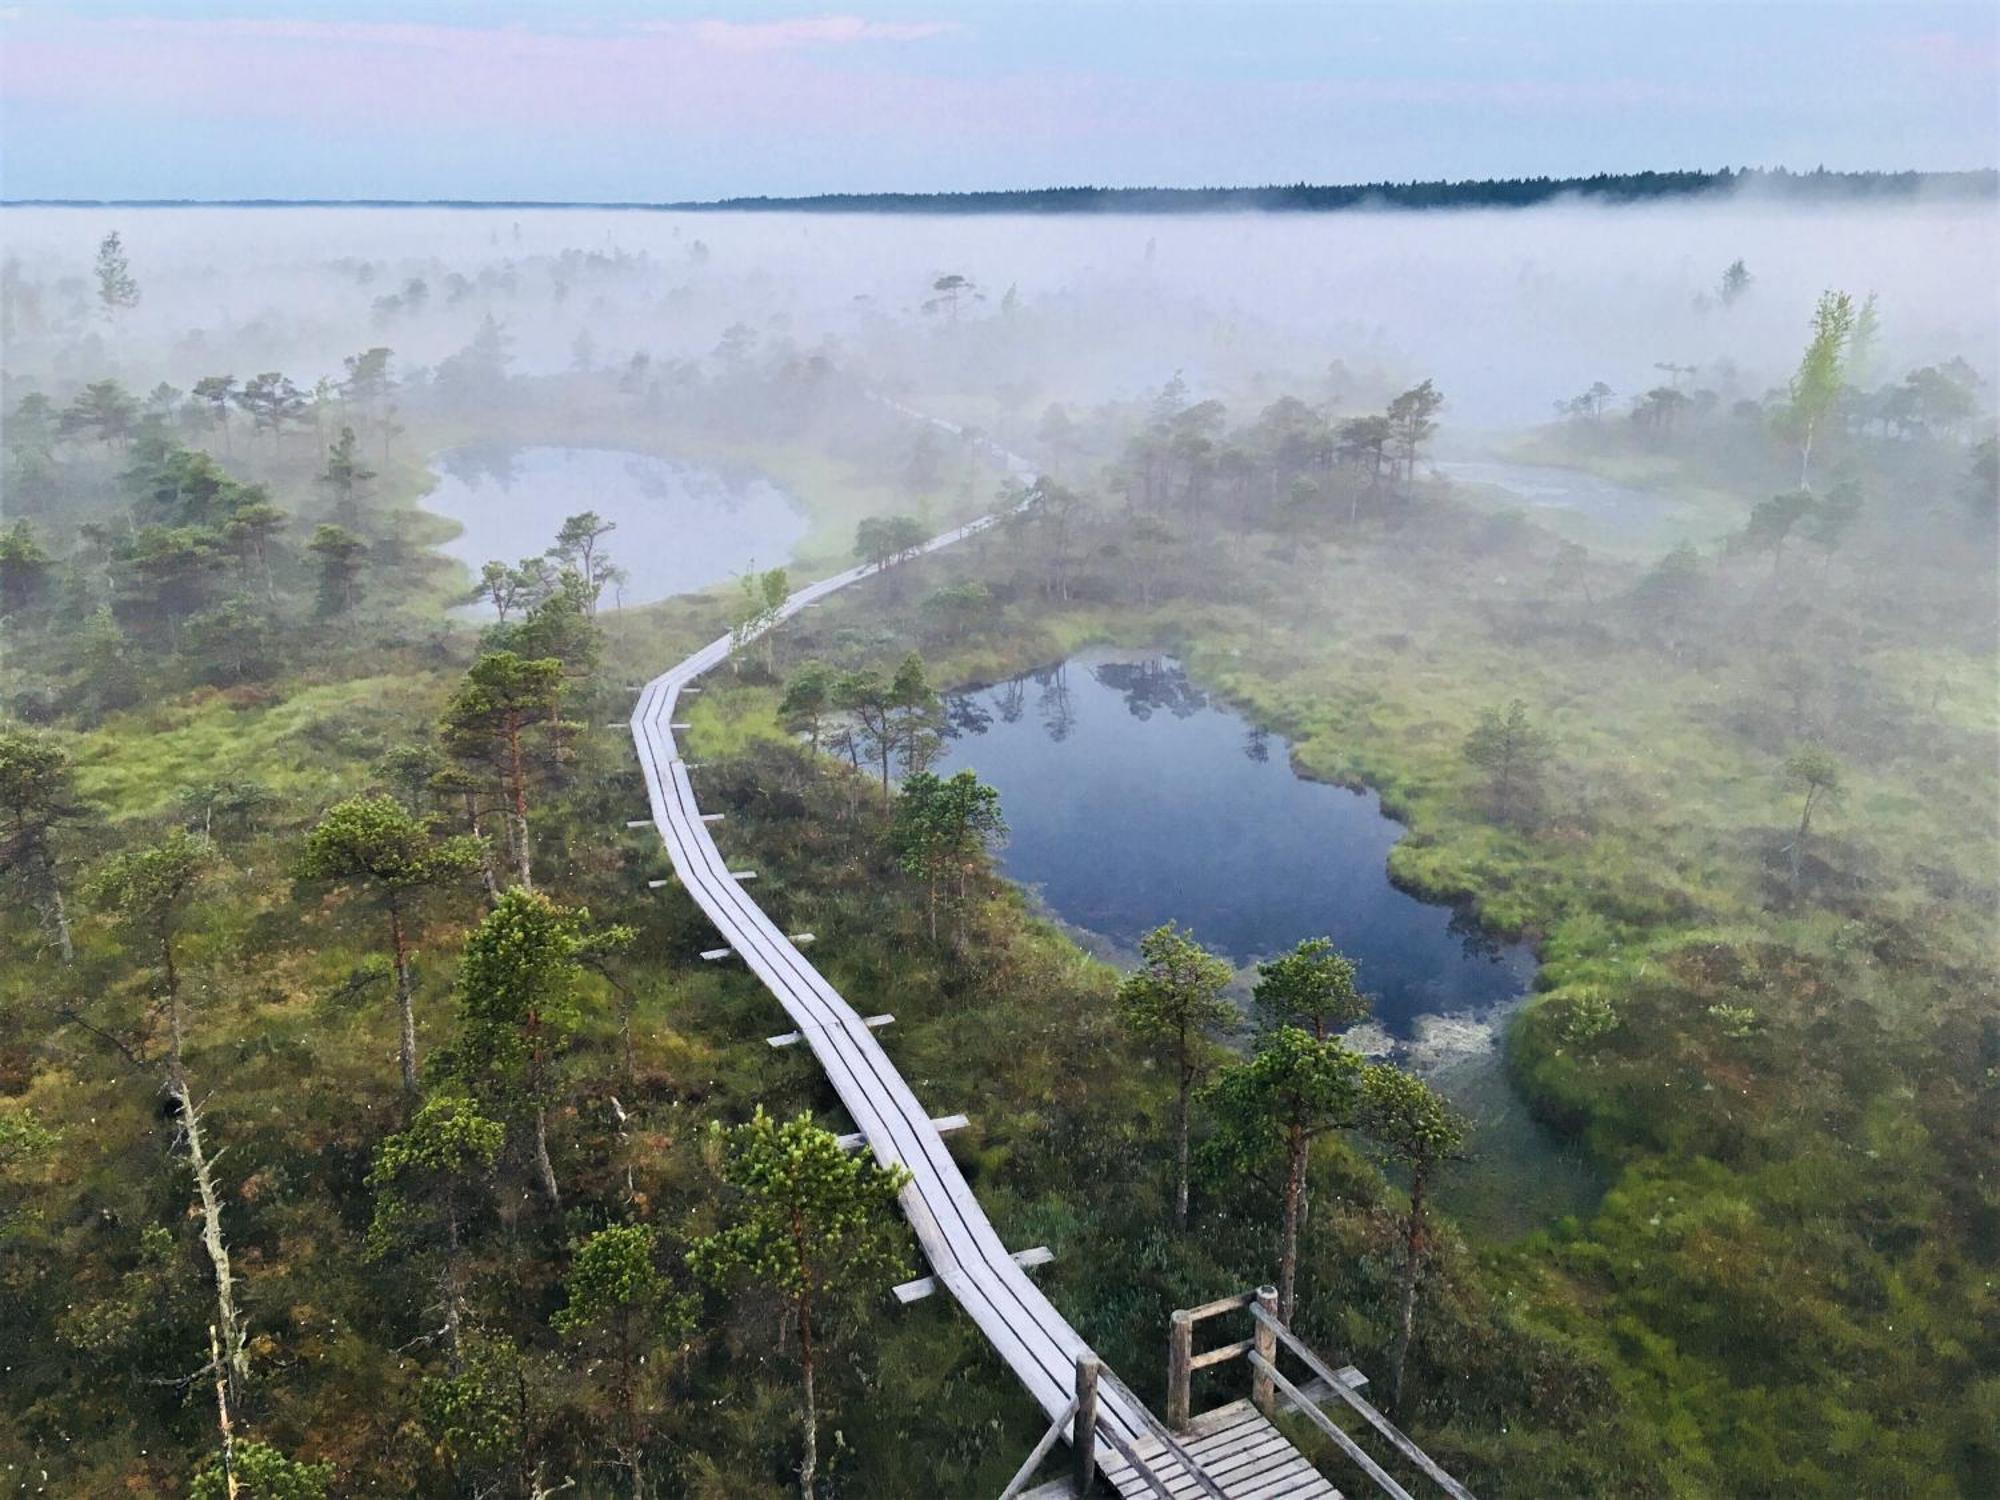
(1269, 1339)
(1080, 1423)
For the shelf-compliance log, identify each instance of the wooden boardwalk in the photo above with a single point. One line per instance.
(1242, 1452)
(965, 1253)
(1232, 1453)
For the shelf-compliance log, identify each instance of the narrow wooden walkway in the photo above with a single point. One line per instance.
(1242, 1452)
(965, 1253)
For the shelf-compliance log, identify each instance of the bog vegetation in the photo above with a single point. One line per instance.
(369, 1124)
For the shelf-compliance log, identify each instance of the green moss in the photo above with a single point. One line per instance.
(301, 745)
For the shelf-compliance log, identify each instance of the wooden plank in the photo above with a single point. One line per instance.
(1321, 1392)
(915, 1291)
(792, 1038)
(1274, 1469)
(714, 954)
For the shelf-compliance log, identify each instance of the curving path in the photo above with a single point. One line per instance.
(965, 1253)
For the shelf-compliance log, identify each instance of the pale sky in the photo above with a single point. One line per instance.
(602, 100)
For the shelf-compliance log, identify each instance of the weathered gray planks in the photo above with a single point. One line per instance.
(1242, 1452)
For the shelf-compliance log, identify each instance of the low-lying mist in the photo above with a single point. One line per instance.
(1508, 310)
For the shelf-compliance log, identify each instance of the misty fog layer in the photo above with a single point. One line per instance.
(1508, 311)
(680, 527)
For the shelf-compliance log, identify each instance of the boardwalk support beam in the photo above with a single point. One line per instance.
(793, 1038)
(923, 1286)
(942, 1124)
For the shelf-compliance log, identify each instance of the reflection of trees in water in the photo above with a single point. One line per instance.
(724, 490)
(1257, 744)
(653, 480)
(1011, 699)
(476, 463)
(1058, 712)
(1476, 941)
(963, 715)
(1153, 684)
(634, 475)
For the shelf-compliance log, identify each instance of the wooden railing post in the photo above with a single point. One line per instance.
(1261, 1390)
(1180, 1368)
(1083, 1436)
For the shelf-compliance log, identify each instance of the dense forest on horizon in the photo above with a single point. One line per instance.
(1818, 185)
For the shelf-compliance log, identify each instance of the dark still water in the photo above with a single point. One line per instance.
(1132, 800)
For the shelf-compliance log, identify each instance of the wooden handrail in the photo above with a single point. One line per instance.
(1261, 1351)
(1221, 1353)
(1220, 1306)
(1366, 1409)
(1141, 1467)
(1167, 1440)
(1326, 1425)
(1086, 1427)
(1041, 1451)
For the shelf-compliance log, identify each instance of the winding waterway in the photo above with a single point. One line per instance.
(680, 527)
(1133, 799)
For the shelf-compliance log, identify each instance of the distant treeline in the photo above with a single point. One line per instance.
(1302, 197)
(1305, 197)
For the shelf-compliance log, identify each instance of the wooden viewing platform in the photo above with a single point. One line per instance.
(1234, 1453)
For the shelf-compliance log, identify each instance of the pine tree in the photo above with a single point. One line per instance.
(1174, 1001)
(810, 1226)
(374, 844)
(117, 292)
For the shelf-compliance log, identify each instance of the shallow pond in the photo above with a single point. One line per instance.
(680, 527)
(1546, 488)
(1133, 799)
